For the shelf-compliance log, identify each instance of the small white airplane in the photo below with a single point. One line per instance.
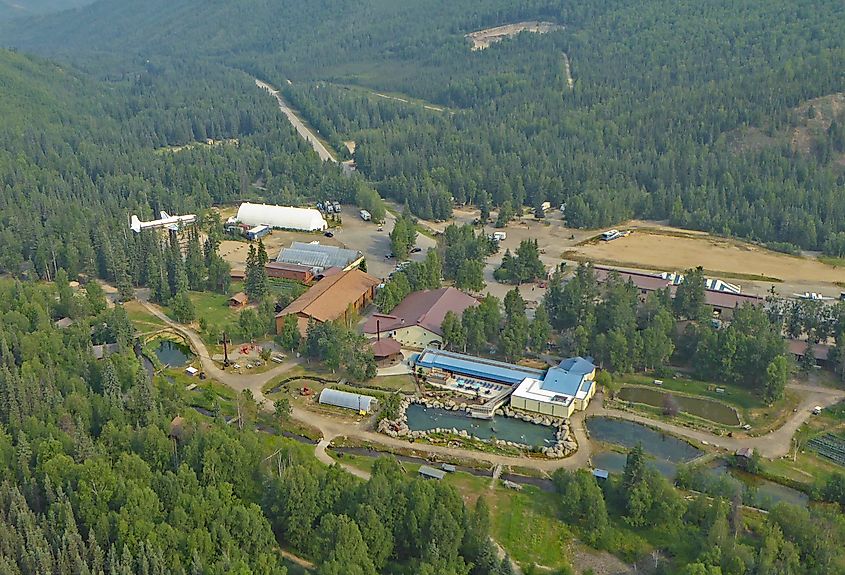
(166, 220)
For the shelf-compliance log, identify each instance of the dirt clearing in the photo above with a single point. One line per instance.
(666, 249)
(482, 39)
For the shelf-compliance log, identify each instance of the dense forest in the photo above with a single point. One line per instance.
(78, 156)
(659, 90)
(96, 475)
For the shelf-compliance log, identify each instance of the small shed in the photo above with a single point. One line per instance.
(356, 401)
(601, 474)
(431, 473)
(178, 428)
(63, 323)
(238, 300)
(104, 350)
(191, 371)
(387, 351)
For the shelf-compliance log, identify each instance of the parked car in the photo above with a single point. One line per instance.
(389, 256)
(328, 234)
(416, 250)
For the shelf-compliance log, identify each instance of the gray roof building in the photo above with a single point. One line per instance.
(431, 473)
(354, 401)
(318, 257)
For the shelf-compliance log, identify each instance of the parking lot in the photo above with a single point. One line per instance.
(354, 233)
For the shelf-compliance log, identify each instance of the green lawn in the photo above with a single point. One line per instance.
(403, 383)
(832, 261)
(524, 523)
(214, 307)
(734, 395)
(143, 320)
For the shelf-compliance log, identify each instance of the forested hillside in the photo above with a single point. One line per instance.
(79, 155)
(658, 87)
(21, 8)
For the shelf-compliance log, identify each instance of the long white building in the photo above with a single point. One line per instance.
(284, 217)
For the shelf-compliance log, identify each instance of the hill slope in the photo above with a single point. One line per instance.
(643, 130)
(20, 8)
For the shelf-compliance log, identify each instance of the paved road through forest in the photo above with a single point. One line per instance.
(297, 123)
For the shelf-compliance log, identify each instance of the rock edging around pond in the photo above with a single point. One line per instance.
(564, 445)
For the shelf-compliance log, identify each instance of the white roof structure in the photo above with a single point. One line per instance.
(285, 217)
(348, 400)
(561, 384)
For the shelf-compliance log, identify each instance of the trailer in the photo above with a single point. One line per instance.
(257, 232)
(611, 235)
(365, 215)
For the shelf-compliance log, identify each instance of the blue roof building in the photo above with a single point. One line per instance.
(563, 389)
(487, 369)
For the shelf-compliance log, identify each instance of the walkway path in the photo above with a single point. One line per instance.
(777, 443)
(772, 445)
(238, 382)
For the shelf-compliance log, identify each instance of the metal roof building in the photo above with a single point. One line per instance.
(431, 473)
(319, 257)
(285, 217)
(489, 369)
(354, 401)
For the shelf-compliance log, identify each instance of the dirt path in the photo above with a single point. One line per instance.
(772, 445)
(569, 80)
(297, 123)
(238, 382)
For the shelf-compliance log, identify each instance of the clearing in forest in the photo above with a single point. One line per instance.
(669, 249)
(808, 126)
(482, 39)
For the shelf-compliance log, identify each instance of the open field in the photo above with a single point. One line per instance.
(666, 249)
(482, 39)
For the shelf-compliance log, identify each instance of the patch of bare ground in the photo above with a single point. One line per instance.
(810, 121)
(482, 39)
(669, 249)
(600, 562)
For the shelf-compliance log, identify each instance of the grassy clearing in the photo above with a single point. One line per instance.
(404, 383)
(142, 319)
(214, 307)
(831, 261)
(524, 524)
(734, 395)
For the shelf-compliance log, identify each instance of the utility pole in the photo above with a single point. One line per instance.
(225, 350)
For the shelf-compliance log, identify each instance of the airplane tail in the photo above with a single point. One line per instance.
(135, 225)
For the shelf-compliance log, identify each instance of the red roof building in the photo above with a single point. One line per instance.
(416, 321)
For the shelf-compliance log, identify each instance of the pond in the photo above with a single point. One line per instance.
(422, 418)
(172, 354)
(614, 462)
(704, 408)
(629, 434)
(763, 493)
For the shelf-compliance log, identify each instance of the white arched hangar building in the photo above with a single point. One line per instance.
(284, 217)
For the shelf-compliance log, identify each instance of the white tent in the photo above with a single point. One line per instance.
(281, 217)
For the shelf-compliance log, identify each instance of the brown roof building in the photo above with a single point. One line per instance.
(238, 300)
(329, 299)
(416, 321)
(798, 347)
(722, 303)
(386, 351)
(288, 271)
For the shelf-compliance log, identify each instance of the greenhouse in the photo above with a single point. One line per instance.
(337, 398)
(284, 217)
